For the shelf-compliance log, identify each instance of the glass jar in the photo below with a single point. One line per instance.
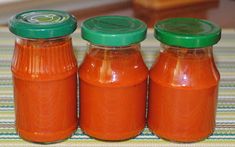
(44, 75)
(184, 80)
(113, 78)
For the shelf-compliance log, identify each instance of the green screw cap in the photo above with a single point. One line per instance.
(187, 32)
(42, 24)
(113, 30)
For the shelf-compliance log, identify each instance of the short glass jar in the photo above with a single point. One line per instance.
(184, 80)
(113, 78)
(44, 75)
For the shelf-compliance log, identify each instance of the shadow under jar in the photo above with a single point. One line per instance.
(113, 78)
(44, 75)
(184, 80)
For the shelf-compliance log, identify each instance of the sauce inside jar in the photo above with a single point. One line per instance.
(109, 80)
(185, 87)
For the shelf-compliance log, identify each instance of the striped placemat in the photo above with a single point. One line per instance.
(224, 134)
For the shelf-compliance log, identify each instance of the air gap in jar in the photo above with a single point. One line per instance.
(44, 74)
(184, 80)
(113, 78)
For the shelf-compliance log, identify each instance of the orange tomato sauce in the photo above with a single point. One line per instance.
(44, 75)
(183, 96)
(112, 93)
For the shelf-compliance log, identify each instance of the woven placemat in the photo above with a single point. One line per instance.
(224, 134)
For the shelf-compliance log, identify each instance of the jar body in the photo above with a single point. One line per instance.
(112, 92)
(45, 84)
(183, 94)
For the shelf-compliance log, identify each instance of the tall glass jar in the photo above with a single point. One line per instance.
(44, 75)
(184, 80)
(113, 78)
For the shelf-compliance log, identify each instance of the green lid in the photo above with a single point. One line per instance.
(42, 24)
(113, 30)
(187, 32)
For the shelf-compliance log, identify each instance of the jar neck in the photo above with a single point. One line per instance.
(43, 42)
(188, 52)
(110, 52)
(114, 48)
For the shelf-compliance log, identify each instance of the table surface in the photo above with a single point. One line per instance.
(224, 134)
